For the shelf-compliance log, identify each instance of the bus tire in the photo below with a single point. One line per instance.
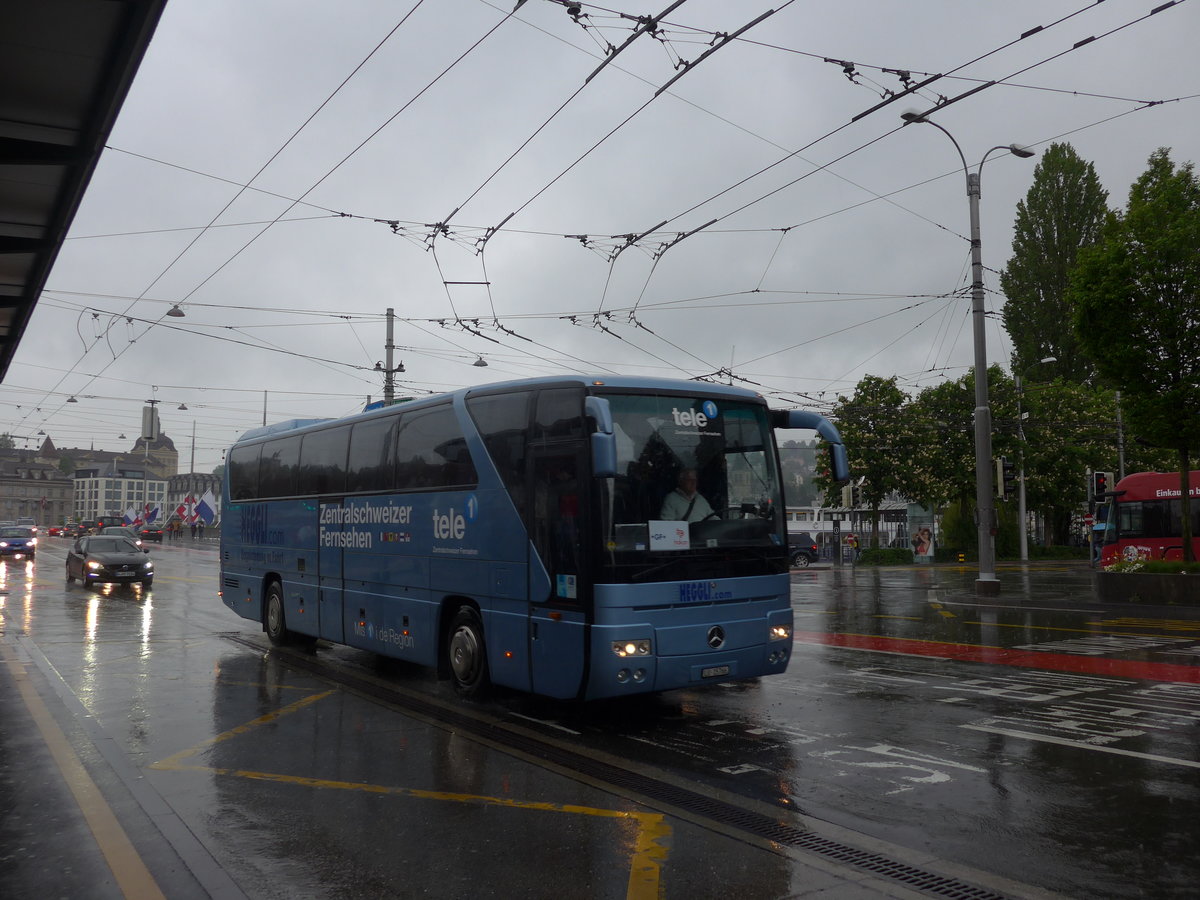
(467, 653)
(274, 620)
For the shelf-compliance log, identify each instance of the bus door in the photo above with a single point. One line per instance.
(330, 582)
(558, 623)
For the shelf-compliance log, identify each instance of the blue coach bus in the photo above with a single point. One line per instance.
(516, 534)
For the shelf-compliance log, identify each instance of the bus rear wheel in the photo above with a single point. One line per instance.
(275, 621)
(467, 653)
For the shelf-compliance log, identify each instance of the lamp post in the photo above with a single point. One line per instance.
(1024, 526)
(985, 512)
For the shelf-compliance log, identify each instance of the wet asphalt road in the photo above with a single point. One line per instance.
(1042, 739)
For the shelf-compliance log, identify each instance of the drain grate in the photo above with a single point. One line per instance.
(652, 789)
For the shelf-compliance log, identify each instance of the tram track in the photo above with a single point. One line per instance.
(703, 805)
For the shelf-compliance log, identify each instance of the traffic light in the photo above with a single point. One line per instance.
(1006, 477)
(1100, 483)
(848, 497)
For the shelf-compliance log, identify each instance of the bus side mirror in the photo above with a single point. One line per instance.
(604, 455)
(604, 442)
(799, 418)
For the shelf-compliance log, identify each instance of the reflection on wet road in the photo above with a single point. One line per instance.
(1040, 736)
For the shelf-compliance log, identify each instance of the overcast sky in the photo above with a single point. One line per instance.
(287, 171)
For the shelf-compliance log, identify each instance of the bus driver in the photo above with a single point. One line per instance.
(685, 503)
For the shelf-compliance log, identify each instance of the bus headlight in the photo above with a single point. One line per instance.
(780, 633)
(631, 648)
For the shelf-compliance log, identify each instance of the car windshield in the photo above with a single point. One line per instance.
(15, 532)
(112, 545)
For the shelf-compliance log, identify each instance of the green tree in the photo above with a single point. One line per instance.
(943, 470)
(1137, 299)
(879, 436)
(7, 442)
(1063, 211)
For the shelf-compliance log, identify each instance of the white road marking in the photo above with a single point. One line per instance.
(1063, 742)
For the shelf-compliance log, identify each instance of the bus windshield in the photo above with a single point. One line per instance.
(693, 475)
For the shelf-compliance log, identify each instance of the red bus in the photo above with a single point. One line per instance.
(1144, 518)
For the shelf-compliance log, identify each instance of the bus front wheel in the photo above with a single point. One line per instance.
(467, 653)
(275, 622)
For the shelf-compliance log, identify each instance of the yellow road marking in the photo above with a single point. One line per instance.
(649, 845)
(175, 761)
(1169, 624)
(133, 878)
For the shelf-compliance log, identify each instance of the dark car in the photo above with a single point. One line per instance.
(151, 533)
(109, 559)
(17, 542)
(802, 549)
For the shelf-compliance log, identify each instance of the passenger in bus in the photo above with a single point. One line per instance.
(685, 503)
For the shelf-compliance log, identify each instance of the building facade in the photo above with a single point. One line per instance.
(113, 489)
(35, 489)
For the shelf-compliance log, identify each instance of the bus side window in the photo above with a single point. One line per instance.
(559, 415)
(432, 451)
(322, 467)
(243, 472)
(372, 461)
(502, 420)
(277, 467)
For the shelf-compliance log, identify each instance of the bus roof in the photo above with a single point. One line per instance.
(1147, 485)
(627, 382)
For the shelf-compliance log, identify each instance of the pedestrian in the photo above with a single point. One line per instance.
(193, 531)
(200, 527)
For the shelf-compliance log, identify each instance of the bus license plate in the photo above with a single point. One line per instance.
(714, 671)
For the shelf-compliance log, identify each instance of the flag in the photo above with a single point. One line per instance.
(129, 516)
(149, 515)
(206, 509)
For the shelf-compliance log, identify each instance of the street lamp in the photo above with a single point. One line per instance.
(985, 512)
(1024, 526)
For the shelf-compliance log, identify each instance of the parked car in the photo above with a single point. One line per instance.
(124, 531)
(18, 542)
(109, 559)
(802, 549)
(151, 533)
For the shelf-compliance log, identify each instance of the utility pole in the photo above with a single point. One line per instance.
(389, 372)
(149, 433)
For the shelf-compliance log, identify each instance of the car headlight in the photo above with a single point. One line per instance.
(3, 543)
(93, 565)
(148, 566)
(631, 648)
(780, 633)
(32, 541)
